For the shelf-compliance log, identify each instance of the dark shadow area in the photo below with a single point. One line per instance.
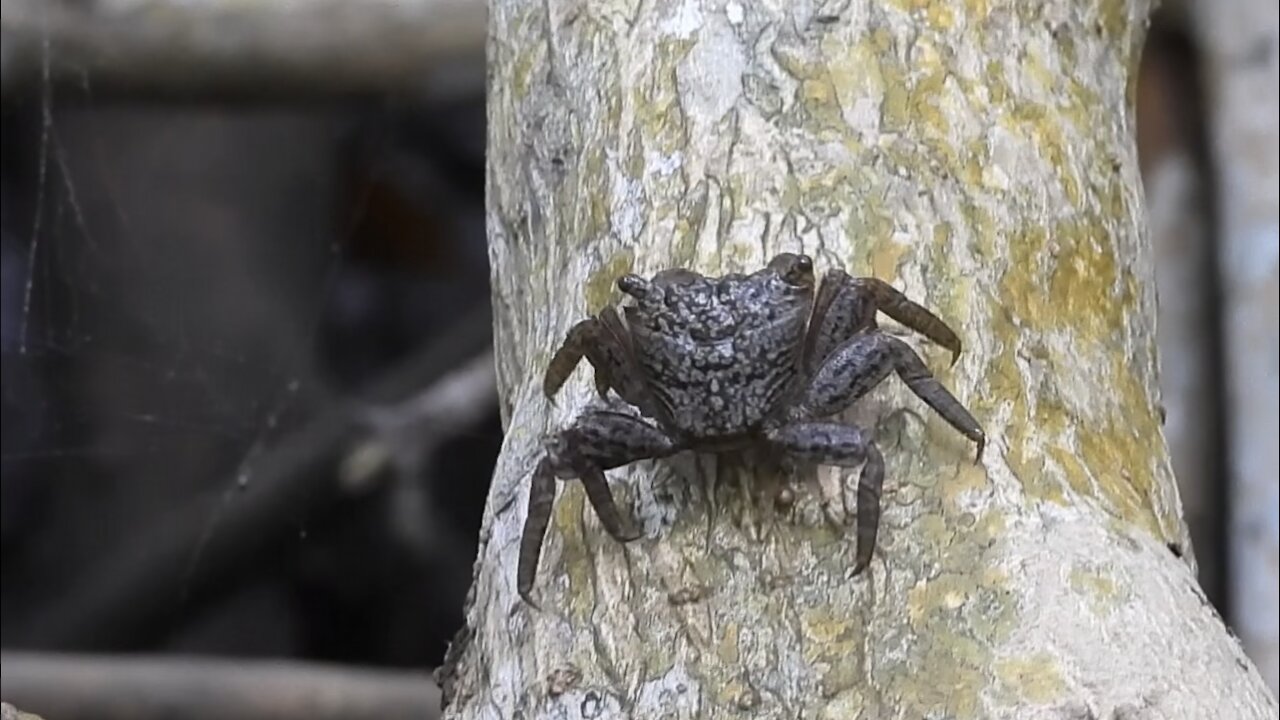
(209, 312)
(1177, 168)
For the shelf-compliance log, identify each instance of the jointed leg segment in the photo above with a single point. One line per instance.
(845, 358)
(606, 343)
(599, 440)
(846, 306)
(598, 341)
(842, 446)
(863, 362)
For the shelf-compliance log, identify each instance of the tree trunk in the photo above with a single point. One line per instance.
(980, 157)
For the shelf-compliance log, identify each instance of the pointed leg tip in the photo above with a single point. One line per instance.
(982, 445)
(859, 568)
(526, 595)
(955, 357)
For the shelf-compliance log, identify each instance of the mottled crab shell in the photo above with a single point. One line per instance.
(718, 354)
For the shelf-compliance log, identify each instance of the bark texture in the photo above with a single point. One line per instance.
(979, 156)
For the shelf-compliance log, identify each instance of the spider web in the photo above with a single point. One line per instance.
(152, 354)
(52, 331)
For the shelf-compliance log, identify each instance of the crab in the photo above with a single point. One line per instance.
(723, 364)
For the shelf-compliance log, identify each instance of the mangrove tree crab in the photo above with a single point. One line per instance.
(717, 364)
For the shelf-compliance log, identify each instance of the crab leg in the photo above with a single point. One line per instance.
(598, 440)
(846, 306)
(842, 446)
(606, 343)
(542, 495)
(588, 338)
(863, 362)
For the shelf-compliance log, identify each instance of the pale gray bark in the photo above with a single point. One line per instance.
(1239, 40)
(981, 158)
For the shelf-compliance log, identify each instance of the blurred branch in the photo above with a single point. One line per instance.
(404, 437)
(191, 554)
(405, 434)
(1175, 170)
(1240, 43)
(191, 47)
(9, 712)
(110, 687)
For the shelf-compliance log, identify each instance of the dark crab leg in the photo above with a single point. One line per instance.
(605, 342)
(598, 440)
(542, 496)
(842, 446)
(863, 362)
(846, 306)
(588, 338)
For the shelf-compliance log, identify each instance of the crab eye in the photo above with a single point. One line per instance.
(633, 285)
(794, 269)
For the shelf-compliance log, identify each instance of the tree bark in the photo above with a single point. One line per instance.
(980, 157)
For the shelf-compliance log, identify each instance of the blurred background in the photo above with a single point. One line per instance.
(249, 415)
